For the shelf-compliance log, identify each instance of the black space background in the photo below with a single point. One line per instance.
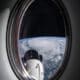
(43, 18)
(72, 71)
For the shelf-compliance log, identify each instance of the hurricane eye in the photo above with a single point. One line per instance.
(41, 38)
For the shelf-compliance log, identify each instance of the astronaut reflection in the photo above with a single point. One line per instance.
(33, 64)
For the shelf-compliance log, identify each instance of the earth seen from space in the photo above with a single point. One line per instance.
(52, 50)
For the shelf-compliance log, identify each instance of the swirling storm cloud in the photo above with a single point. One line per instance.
(52, 50)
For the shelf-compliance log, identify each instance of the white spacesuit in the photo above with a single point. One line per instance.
(33, 64)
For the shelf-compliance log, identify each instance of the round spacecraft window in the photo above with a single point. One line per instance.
(39, 39)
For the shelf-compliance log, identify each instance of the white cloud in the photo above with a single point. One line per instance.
(47, 46)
